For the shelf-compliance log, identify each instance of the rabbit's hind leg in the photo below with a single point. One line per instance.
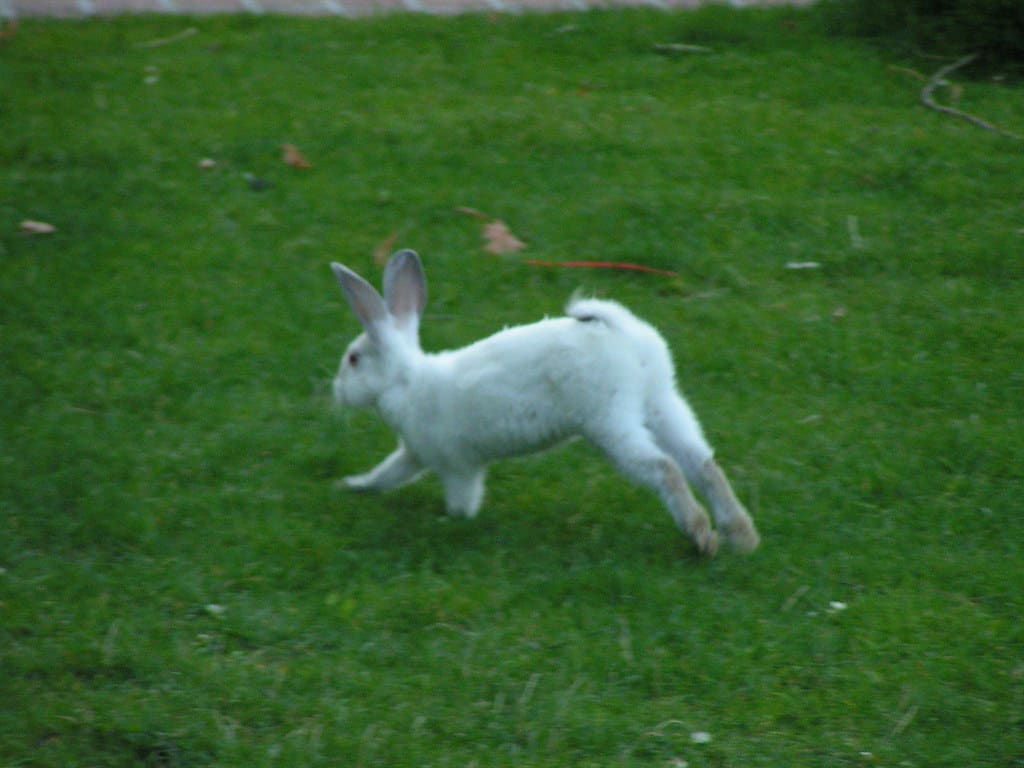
(639, 458)
(732, 519)
(678, 432)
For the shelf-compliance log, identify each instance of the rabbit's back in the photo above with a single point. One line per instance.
(531, 386)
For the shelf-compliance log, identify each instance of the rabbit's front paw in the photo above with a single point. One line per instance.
(357, 483)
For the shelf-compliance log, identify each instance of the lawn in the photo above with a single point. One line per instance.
(182, 583)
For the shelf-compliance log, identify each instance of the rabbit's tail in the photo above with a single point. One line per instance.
(609, 313)
(667, 415)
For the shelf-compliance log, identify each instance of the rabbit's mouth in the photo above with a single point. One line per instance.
(351, 394)
(339, 392)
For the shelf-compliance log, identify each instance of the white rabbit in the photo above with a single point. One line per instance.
(600, 373)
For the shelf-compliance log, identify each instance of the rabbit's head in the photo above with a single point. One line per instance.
(381, 357)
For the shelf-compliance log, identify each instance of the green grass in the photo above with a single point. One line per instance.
(182, 583)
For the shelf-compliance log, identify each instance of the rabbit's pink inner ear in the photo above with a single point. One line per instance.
(362, 297)
(405, 287)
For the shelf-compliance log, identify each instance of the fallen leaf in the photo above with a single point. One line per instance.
(294, 158)
(383, 252)
(500, 239)
(8, 30)
(37, 227)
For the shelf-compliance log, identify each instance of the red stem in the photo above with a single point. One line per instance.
(601, 265)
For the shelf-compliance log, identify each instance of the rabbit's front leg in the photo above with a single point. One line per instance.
(464, 492)
(398, 469)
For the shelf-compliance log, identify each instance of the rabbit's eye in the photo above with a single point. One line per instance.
(353, 359)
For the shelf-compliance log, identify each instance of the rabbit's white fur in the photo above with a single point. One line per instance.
(600, 373)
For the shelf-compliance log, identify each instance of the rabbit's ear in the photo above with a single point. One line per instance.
(363, 298)
(405, 288)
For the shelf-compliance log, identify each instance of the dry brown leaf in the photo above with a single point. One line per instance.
(383, 252)
(8, 30)
(293, 157)
(500, 240)
(37, 227)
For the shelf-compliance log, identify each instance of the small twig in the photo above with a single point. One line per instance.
(681, 48)
(168, 40)
(904, 722)
(795, 598)
(659, 729)
(907, 71)
(472, 212)
(528, 690)
(626, 641)
(853, 228)
(702, 295)
(928, 99)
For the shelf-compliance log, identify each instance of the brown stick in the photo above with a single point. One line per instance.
(928, 99)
